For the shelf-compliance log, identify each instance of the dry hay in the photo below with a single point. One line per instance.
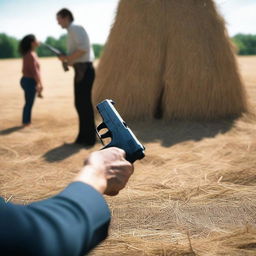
(193, 194)
(236, 243)
(170, 58)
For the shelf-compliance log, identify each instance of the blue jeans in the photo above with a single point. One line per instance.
(29, 86)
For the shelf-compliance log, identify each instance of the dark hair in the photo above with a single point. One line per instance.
(26, 44)
(63, 13)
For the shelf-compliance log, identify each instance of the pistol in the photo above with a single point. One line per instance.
(57, 52)
(120, 134)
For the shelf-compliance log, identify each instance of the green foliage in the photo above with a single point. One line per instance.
(8, 46)
(246, 44)
(98, 49)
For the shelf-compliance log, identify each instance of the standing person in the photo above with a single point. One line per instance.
(31, 79)
(80, 56)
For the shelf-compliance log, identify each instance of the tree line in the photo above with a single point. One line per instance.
(245, 44)
(9, 47)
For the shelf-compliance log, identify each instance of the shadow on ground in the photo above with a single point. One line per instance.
(11, 130)
(171, 133)
(167, 133)
(61, 152)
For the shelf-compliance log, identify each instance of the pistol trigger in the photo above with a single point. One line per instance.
(106, 135)
(101, 126)
(102, 142)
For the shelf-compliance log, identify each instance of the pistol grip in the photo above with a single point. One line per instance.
(65, 66)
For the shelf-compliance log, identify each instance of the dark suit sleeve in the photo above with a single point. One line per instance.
(69, 224)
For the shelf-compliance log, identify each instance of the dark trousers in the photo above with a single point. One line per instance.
(84, 77)
(29, 86)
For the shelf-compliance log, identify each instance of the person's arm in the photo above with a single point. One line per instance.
(69, 224)
(81, 39)
(74, 221)
(35, 71)
(71, 58)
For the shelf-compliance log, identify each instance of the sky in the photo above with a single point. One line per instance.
(21, 17)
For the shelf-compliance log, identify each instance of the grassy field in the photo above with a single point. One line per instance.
(193, 194)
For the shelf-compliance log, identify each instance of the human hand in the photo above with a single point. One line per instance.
(106, 170)
(39, 89)
(63, 58)
(40, 95)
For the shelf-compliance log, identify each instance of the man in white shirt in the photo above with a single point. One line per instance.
(80, 56)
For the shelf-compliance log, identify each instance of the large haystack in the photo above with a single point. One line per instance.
(170, 58)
